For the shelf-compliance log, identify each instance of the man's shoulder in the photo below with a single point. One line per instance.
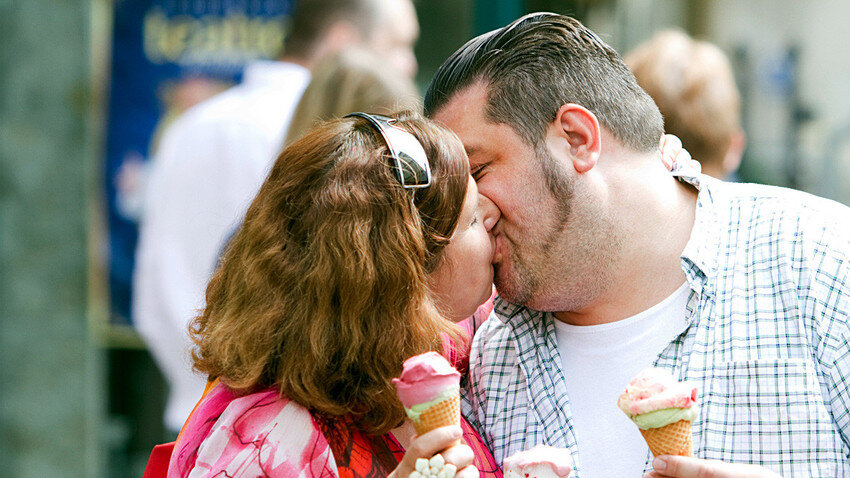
(208, 124)
(502, 321)
(781, 238)
(493, 338)
(777, 213)
(780, 201)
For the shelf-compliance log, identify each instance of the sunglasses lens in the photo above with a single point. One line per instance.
(412, 172)
(409, 157)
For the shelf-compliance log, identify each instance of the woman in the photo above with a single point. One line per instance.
(344, 267)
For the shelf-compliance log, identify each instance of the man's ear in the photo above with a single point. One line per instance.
(578, 131)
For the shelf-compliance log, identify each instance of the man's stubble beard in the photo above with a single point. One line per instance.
(572, 265)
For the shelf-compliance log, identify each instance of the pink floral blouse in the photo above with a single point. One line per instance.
(266, 435)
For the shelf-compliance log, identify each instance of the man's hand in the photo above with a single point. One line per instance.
(667, 466)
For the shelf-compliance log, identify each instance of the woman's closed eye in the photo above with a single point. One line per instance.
(478, 171)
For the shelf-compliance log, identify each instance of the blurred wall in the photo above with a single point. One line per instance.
(445, 25)
(50, 388)
(765, 30)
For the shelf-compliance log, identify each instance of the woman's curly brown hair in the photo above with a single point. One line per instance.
(322, 292)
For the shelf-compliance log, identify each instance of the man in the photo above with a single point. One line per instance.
(212, 160)
(607, 265)
(692, 83)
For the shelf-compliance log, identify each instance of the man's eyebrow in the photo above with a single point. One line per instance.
(470, 150)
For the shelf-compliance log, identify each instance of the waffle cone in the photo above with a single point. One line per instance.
(438, 415)
(672, 439)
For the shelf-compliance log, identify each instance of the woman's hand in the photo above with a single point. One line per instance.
(443, 440)
(686, 467)
(673, 155)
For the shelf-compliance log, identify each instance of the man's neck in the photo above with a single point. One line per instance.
(655, 215)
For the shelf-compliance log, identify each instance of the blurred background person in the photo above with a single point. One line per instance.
(352, 80)
(176, 97)
(693, 85)
(212, 160)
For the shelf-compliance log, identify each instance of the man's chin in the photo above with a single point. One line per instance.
(509, 287)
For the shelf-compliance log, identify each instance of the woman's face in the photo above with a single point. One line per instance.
(464, 278)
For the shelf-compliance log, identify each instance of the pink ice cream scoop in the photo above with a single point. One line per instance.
(542, 461)
(655, 389)
(425, 378)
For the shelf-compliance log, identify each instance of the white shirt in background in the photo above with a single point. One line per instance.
(209, 166)
(598, 363)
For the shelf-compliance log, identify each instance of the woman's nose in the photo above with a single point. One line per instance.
(488, 212)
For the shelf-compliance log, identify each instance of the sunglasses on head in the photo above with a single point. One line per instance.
(411, 164)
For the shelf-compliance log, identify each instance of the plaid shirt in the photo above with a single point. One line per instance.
(766, 340)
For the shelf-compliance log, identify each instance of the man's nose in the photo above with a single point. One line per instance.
(488, 212)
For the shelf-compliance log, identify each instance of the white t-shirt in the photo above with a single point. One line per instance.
(598, 363)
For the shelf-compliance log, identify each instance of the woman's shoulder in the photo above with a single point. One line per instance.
(260, 434)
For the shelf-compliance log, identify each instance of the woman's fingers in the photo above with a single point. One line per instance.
(683, 159)
(674, 156)
(670, 146)
(433, 442)
(426, 446)
(459, 455)
(467, 472)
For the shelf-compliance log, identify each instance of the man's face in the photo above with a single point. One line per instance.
(548, 245)
(396, 35)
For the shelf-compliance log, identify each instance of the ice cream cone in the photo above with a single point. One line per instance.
(663, 409)
(429, 390)
(438, 415)
(672, 439)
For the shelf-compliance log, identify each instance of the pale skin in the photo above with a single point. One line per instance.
(464, 278)
(616, 250)
(651, 242)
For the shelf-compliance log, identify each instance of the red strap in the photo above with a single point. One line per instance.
(158, 461)
(161, 454)
(211, 383)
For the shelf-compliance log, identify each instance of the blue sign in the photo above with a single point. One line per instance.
(166, 56)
